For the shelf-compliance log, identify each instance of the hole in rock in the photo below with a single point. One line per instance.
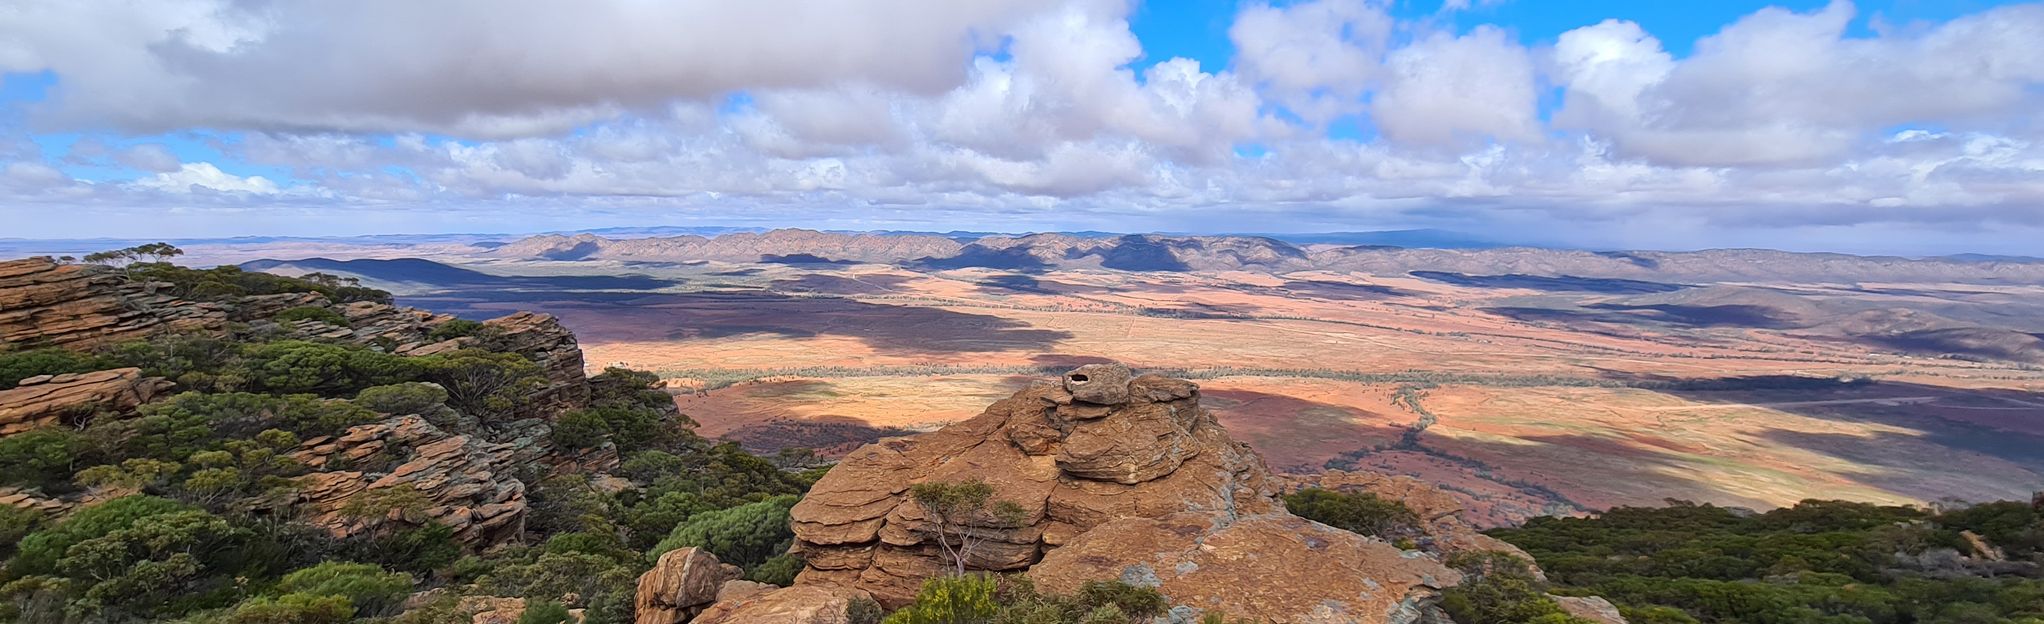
(1078, 378)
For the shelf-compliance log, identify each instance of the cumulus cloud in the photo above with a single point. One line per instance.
(1041, 114)
(201, 177)
(1785, 88)
(1445, 90)
(485, 68)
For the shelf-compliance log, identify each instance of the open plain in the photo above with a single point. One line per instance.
(1525, 395)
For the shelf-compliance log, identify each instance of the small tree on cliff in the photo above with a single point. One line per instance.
(955, 506)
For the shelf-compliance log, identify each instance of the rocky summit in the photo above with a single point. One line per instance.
(1116, 477)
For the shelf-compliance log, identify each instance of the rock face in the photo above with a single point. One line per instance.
(1070, 465)
(47, 304)
(49, 399)
(459, 481)
(1117, 477)
(542, 338)
(683, 582)
(1273, 567)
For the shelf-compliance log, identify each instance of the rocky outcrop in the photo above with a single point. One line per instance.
(1272, 567)
(1116, 478)
(1442, 529)
(1070, 465)
(801, 604)
(542, 338)
(50, 399)
(44, 303)
(680, 584)
(456, 480)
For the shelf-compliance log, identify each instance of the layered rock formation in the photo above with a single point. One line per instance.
(1115, 478)
(49, 399)
(456, 480)
(47, 304)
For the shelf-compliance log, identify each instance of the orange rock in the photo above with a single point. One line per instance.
(49, 399)
(1272, 567)
(683, 582)
(801, 604)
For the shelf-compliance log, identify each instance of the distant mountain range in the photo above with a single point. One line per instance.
(1153, 252)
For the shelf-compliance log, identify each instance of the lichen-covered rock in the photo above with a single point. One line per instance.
(50, 399)
(801, 604)
(1592, 608)
(1153, 454)
(1099, 384)
(460, 481)
(683, 582)
(1272, 567)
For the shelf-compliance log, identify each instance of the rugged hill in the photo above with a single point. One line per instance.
(733, 247)
(1151, 252)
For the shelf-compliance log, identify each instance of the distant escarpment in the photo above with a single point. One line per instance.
(1155, 252)
(1101, 476)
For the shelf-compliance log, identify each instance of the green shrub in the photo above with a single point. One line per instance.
(482, 383)
(580, 429)
(312, 313)
(42, 458)
(138, 557)
(1362, 512)
(967, 599)
(292, 609)
(296, 366)
(18, 365)
(744, 536)
(370, 589)
(16, 523)
(457, 328)
(545, 612)
(780, 570)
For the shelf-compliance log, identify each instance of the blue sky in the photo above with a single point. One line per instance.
(1893, 126)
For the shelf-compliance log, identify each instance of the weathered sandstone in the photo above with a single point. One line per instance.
(50, 399)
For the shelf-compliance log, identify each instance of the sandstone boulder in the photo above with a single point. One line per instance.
(49, 399)
(1069, 465)
(459, 481)
(1592, 608)
(683, 582)
(1099, 384)
(801, 604)
(1272, 567)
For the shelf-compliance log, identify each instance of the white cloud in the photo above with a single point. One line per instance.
(1317, 57)
(202, 176)
(1778, 88)
(1445, 90)
(1015, 113)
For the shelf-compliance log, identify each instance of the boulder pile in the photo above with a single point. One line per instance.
(1115, 477)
